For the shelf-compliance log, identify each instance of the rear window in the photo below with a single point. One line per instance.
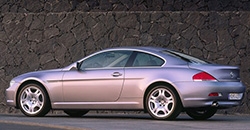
(186, 57)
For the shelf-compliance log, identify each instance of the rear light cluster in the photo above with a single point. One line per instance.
(203, 76)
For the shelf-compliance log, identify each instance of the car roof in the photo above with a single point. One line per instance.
(140, 48)
(148, 49)
(152, 50)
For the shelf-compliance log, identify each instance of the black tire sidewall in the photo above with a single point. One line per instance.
(76, 113)
(208, 112)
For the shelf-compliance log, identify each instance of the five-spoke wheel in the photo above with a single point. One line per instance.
(33, 100)
(163, 103)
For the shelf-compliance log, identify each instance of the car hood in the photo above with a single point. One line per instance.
(45, 75)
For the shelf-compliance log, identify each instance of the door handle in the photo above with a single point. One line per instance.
(116, 74)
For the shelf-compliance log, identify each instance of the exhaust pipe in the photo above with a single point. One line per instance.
(215, 104)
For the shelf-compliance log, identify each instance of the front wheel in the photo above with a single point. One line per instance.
(201, 114)
(33, 100)
(163, 103)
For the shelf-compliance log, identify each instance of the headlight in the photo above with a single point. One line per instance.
(12, 82)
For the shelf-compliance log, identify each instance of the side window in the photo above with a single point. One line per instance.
(107, 59)
(144, 59)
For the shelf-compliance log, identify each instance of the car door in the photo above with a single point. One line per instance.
(141, 69)
(99, 78)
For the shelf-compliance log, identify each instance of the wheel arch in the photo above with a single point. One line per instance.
(29, 82)
(151, 86)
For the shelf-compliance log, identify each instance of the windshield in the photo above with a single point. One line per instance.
(186, 57)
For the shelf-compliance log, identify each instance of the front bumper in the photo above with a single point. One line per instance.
(196, 94)
(10, 95)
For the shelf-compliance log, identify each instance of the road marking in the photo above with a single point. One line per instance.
(43, 125)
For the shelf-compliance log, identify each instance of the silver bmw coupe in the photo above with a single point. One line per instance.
(159, 81)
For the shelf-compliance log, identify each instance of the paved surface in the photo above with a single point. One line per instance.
(10, 126)
(122, 122)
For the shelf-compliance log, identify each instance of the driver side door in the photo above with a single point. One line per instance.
(99, 79)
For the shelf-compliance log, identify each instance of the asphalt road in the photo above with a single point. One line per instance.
(121, 122)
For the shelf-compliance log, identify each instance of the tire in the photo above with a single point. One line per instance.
(163, 103)
(76, 113)
(33, 100)
(201, 114)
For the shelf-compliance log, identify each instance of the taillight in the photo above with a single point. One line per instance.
(203, 76)
(214, 94)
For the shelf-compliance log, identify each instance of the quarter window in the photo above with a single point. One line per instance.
(144, 59)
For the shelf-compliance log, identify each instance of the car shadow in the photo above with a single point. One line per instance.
(114, 116)
(181, 117)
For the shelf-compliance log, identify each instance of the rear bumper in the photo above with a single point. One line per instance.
(195, 94)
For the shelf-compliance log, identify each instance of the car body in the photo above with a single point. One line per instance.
(157, 80)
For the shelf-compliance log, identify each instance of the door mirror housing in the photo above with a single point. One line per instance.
(78, 65)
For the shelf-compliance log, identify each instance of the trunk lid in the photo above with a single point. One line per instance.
(220, 72)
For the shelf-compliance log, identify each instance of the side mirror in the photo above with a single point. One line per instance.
(78, 65)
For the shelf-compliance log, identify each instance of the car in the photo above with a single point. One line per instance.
(159, 81)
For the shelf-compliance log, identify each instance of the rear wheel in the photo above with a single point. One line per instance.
(163, 103)
(201, 114)
(33, 100)
(76, 113)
